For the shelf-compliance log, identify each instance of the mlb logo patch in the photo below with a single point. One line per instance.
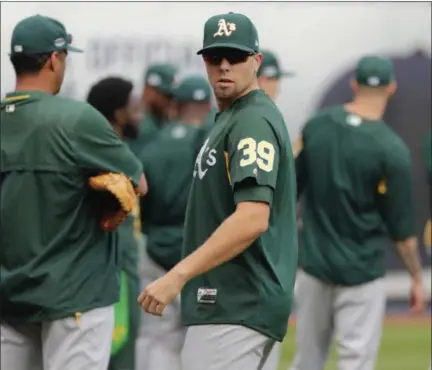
(207, 296)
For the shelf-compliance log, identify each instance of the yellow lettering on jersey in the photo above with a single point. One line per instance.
(382, 187)
(298, 147)
(16, 98)
(227, 166)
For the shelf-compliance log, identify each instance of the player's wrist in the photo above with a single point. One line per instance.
(182, 273)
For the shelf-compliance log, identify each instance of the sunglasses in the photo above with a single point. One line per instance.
(233, 56)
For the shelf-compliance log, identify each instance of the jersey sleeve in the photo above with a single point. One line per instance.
(253, 160)
(99, 149)
(395, 194)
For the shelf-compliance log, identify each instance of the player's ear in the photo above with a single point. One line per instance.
(354, 86)
(392, 88)
(55, 62)
(258, 60)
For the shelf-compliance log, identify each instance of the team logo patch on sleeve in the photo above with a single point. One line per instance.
(205, 295)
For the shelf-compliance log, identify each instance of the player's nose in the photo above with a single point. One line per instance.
(225, 65)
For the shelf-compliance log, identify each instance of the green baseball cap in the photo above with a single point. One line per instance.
(193, 89)
(161, 76)
(270, 66)
(38, 35)
(231, 30)
(374, 71)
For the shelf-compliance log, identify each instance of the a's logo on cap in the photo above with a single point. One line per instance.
(270, 71)
(225, 29)
(373, 81)
(199, 94)
(60, 42)
(154, 80)
(18, 48)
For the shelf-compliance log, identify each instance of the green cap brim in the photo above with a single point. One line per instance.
(74, 49)
(227, 45)
(287, 74)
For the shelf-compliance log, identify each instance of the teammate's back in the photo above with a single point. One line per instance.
(49, 147)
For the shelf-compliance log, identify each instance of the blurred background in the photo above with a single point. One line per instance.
(321, 42)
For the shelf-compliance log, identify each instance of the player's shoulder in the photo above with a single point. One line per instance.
(328, 115)
(392, 143)
(74, 112)
(259, 113)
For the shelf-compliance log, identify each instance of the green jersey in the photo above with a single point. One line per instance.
(55, 258)
(247, 156)
(169, 162)
(148, 128)
(355, 176)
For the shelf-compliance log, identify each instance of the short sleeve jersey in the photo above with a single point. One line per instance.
(355, 178)
(168, 161)
(55, 258)
(247, 156)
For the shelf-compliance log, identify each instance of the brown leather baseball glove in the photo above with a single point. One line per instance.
(118, 198)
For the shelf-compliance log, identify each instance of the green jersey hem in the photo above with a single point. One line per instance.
(227, 322)
(57, 315)
(349, 282)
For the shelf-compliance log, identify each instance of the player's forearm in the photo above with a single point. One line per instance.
(143, 187)
(409, 254)
(231, 238)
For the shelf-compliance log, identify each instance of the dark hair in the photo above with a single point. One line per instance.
(28, 64)
(110, 94)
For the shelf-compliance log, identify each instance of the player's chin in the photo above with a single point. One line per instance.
(224, 93)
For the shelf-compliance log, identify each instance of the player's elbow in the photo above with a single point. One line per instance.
(255, 215)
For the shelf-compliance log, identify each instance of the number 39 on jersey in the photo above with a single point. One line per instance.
(260, 153)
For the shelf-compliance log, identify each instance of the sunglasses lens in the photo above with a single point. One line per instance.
(232, 56)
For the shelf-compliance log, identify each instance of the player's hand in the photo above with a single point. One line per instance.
(157, 295)
(418, 297)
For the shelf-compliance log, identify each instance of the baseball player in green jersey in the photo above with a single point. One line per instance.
(156, 101)
(112, 97)
(240, 240)
(354, 173)
(169, 161)
(270, 74)
(59, 273)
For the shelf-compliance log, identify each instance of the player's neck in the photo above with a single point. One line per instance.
(224, 104)
(371, 108)
(30, 83)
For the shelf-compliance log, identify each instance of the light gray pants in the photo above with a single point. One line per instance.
(65, 344)
(354, 314)
(273, 359)
(160, 339)
(223, 347)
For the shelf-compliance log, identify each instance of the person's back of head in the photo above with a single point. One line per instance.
(112, 96)
(39, 46)
(373, 85)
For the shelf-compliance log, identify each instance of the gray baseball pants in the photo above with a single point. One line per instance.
(161, 339)
(223, 347)
(66, 344)
(354, 315)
